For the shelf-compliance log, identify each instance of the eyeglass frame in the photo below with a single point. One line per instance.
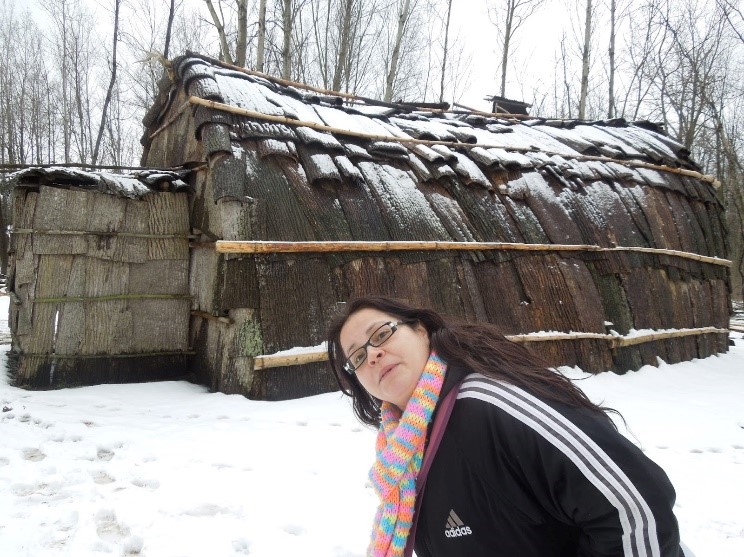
(392, 324)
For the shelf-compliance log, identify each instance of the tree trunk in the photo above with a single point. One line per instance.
(507, 40)
(224, 47)
(395, 57)
(261, 36)
(112, 82)
(171, 15)
(585, 60)
(611, 92)
(287, 42)
(343, 51)
(242, 46)
(445, 52)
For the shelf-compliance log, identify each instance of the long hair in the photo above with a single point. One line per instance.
(477, 347)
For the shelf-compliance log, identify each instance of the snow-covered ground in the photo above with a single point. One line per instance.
(171, 470)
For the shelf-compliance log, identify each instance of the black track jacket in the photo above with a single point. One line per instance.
(516, 476)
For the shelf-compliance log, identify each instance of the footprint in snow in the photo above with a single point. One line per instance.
(696, 451)
(4, 461)
(34, 455)
(108, 528)
(738, 446)
(100, 477)
(713, 450)
(152, 485)
(207, 509)
(294, 529)
(302, 423)
(242, 546)
(104, 454)
(23, 490)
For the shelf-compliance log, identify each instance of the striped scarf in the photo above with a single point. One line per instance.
(400, 450)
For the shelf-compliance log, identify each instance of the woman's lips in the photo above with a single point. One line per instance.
(385, 371)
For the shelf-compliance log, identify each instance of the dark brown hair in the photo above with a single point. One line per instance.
(477, 347)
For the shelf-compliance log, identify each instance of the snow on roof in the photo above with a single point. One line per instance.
(132, 185)
(257, 94)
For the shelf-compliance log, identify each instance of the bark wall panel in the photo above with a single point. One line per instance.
(284, 218)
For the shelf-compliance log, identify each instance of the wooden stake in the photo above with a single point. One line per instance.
(205, 315)
(256, 247)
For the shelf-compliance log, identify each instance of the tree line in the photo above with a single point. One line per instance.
(77, 77)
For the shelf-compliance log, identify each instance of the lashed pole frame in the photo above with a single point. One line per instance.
(616, 341)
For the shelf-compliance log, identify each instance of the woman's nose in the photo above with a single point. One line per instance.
(374, 353)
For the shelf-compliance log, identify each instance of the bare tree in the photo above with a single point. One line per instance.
(508, 16)
(241, 48)
(345, 39)
(404, 13)
(218, 19)
(287, 20)
(445, 51)
(585, 60)
(611, 54)
(261, 43)
(171, 15)
(112, 82)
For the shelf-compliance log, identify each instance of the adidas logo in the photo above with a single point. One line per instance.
(456, 527)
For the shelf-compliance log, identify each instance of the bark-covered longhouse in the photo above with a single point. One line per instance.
(631, 260)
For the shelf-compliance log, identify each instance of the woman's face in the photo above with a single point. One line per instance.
(392, 370)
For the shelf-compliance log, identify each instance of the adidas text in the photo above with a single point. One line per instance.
(457, 532)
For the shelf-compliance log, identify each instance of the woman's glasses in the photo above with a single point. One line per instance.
(377, 338)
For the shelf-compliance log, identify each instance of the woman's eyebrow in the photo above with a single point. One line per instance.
(367, 331)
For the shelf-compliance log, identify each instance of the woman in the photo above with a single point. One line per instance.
(516, 460)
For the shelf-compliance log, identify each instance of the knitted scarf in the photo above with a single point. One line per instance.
(400, 450)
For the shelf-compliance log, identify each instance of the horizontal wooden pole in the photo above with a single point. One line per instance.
(266, 362)
(616, 341)
(109, 298)
(24, 231)
(257, 247)
(651, 337)
(52, 356)
(455, 144)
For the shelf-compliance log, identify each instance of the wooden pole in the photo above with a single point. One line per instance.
(455, 144)
(112, 234)
(257, 247)
(616, 341)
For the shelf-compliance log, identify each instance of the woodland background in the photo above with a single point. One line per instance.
(76, 76)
